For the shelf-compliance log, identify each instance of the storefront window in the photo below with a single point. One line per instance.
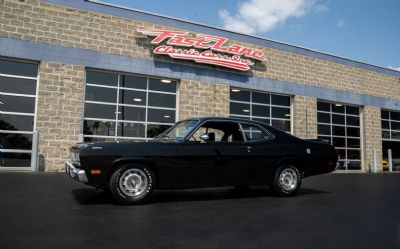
(390, 125)
(125, 107)
(390, 121)
(18, 83)
(339, 125)
(264, 107)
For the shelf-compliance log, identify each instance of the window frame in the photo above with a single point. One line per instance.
(116, 104)
(30, 114)
(267, 133)
(270, 107)
(346, 137)
(390, 121)
(200, 124)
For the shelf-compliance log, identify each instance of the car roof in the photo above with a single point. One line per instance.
(236, 119)
(229, 119)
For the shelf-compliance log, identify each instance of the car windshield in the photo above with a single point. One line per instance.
(180, 130)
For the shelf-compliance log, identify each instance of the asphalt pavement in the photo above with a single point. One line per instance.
(330, 211)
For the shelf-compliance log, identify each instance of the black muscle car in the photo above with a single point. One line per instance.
(201, 152)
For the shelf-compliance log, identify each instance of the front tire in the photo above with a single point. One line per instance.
(287, 181)
(132, 184)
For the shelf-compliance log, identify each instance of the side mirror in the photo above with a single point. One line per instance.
(204, 137)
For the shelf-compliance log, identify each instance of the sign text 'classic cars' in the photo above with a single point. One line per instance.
(206, 49)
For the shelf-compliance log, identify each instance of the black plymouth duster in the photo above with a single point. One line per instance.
(201, 152)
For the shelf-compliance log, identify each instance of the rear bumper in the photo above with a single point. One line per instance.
(74, 173)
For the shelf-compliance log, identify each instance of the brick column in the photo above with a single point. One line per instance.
(198, 99)
(305, 117)
(59, 112)
(372, 136)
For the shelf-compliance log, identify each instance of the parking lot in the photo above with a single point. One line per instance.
(331, 211)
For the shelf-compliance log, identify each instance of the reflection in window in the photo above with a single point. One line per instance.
(160, 116)
(162, 85)
(155, 130)
(132, 113)
(17, 104)
(16, 122)
(100, 94)
(239, 109)
(181, 129)
(264, 107)
(134, 82)
(101, 128)
(132, 97)
(18, 86)
(100, 111)
(17, 160)
(119, 106)
(339, 125)
(131, 130)
(162, 100)
(18, 68)
(253, 133)
(102, 78)
(15, 141)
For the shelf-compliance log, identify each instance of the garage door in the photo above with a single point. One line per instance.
(391, 137)
(18, 86)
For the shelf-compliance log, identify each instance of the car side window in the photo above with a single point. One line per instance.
(218, 132)
(254, 133)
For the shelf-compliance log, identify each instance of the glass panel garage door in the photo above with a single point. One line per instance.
(391, 137)
(120, 106)
(269, 108)
(18, 83)
(340, 125)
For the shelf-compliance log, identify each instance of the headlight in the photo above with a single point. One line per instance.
(75, 156)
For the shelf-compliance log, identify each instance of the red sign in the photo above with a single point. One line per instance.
(202, 48)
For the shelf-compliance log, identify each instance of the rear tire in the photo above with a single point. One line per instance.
(132, 184)
(287, 181)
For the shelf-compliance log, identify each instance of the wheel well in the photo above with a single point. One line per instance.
(297, 163)
(122, 163)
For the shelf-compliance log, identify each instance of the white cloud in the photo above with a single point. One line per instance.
(259, 16)
(321, 9)
(394, 68)
(339, 23)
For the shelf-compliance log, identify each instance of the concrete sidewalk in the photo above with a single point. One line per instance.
(331, 211)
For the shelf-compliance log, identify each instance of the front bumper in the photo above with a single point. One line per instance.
(74, 173)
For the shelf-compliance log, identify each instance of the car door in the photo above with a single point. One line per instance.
(259, 161)
(208, 163)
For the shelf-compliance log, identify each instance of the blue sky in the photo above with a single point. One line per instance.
(362, 30)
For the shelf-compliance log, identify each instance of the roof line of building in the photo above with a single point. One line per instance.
(130, 13)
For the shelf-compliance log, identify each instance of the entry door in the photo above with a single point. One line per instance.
(18, 87)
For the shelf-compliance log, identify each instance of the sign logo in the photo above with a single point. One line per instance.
(203, 48)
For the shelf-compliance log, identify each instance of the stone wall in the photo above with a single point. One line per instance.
(202, 99)
(372, 136)
(304, 119)
(59, 112)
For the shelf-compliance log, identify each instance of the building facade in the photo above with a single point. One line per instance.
(85, 71)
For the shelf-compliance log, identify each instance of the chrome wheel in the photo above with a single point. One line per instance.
(288, 179)
(133, 182)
